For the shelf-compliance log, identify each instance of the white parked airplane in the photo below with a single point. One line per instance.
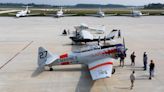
(24, 13)
(99, 59)
(60, 13)
(135, 13)
(100, 13)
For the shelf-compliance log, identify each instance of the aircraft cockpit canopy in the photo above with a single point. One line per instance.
(88, 48)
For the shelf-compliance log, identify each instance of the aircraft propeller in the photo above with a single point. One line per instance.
(124, 46)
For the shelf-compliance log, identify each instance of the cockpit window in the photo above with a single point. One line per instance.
(88, 48)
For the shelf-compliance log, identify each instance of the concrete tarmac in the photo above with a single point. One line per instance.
(21, 37)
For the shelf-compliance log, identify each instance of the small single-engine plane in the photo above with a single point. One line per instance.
(85, 36)
(99, 59)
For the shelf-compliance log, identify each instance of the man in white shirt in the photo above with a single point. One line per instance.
(132, 79)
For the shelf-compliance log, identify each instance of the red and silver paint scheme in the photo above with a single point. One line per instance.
(99, 59)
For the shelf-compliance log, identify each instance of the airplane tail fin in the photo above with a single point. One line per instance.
(99, 9)
(43, 54)
(61, 8)
(26, 7)
(114, 33)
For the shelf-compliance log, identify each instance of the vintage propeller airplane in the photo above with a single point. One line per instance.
(99, 59)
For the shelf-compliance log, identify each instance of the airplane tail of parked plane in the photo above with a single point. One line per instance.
(61, 9)
(114, 33)
(100, 10)
(26, 8)
(45, 58)
(43, 54)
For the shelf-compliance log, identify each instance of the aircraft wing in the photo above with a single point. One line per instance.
(99, 30)
(86, 35)
(145, 14)
(101, 68)
(12, 14)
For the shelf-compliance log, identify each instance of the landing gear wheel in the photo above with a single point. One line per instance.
(51, 69)
(113, 70)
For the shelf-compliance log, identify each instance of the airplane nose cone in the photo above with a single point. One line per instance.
(17, 15)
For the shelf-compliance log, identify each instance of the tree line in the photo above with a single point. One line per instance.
(154, 6)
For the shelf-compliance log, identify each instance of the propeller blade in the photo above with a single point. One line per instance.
(124, 46)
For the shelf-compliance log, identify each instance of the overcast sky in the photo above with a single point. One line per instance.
(73, 2)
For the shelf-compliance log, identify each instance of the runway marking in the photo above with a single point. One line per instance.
(16, 55)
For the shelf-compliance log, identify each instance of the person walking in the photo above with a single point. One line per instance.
(145, 58)
(132, 79)
(132, 57)
(122, 57)
(151, 69)
(119, 34)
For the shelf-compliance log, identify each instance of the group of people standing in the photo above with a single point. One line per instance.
(145, 61)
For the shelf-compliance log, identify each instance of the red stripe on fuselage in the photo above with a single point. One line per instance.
(63, 56)
(103, 64)
(65, 63)
(109, 51)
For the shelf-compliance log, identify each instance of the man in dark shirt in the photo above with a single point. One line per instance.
(151, 70)
(145, 60)
(132, 56)
(122, 57)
